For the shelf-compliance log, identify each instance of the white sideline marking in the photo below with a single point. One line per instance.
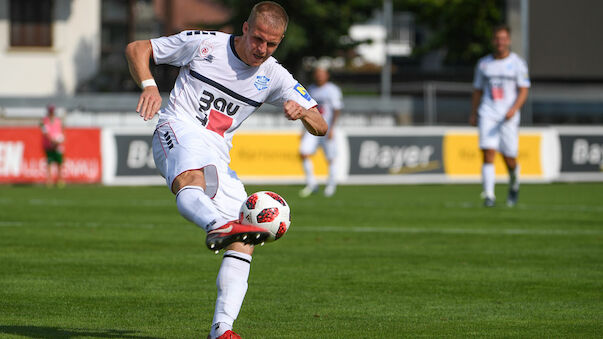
(162, 202)
(342, 229)
(11, 223)
(75, 224)
(527, 207)
(470, 231)
(68, 202)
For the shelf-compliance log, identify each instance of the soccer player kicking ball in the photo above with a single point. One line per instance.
(500, 85)
(223, 79)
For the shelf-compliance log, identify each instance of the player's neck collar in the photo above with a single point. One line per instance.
(502, 56)
(234, 50)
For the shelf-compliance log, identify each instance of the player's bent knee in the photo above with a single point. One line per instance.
(189, 178)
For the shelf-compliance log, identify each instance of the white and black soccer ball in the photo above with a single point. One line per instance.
(267, 210)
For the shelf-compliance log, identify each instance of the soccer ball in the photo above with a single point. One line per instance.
(267, 210)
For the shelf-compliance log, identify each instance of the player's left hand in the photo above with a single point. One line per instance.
(293, 110)
(510, 114)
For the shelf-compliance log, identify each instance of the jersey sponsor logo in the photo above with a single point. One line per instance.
(302, 91)
(261, 82)
(209, 100)
(218, 122)
(215, 112)
(498, 93)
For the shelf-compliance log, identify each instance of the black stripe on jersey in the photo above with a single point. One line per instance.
(233, 256)
(500, 77)
(232, 48)
(225, 89)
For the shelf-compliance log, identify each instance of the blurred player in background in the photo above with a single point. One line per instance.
(223, 79)
(329, 99)
(52, 141)
(501, 86)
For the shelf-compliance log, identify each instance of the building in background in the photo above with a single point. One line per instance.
(125, 21)
(74, 51)
(48, 47)
(70, 46)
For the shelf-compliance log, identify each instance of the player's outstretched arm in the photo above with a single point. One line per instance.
(311, 118)
(138, 54)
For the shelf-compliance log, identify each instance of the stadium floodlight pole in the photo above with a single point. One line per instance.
(386, 70)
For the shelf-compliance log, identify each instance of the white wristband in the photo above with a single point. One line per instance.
(149, 82)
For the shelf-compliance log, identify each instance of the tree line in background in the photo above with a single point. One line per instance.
(459, 30)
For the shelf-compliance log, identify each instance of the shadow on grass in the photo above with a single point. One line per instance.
(57, 332)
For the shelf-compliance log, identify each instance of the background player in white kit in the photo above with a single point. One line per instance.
(329, 99)
(500, 85)
(223, 79)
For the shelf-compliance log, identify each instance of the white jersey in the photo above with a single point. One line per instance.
(329, 99)
(215, 89)
(499, 79)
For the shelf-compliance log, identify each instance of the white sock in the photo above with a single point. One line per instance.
(309, 171)
(198, 208)
(232, 286)
(514, 178)
(331, 179)
(218, 329)
(488, 179)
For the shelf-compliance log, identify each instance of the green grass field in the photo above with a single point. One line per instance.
(371, 262)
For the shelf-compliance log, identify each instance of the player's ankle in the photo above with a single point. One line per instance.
(218, 329)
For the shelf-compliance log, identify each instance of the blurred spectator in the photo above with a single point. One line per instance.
(52, 141)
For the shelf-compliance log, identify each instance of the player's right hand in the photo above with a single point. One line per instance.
(149, 102)
(293, 110)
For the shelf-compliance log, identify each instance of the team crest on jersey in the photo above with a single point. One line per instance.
(205, 51)
(261, 82)
(302, 91)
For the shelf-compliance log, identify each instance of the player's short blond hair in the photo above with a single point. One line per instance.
(271, 12)
(501, 27)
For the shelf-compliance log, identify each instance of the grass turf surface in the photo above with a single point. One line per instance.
(373, 261)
